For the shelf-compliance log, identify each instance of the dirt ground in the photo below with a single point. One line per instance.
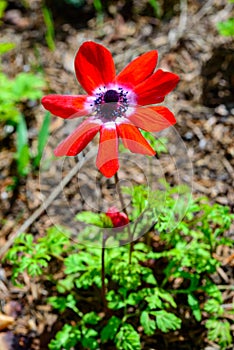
(190, 46)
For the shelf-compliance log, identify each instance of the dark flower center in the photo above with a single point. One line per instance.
(111, 96)
(111, 104)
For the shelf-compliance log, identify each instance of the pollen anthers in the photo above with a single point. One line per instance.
(110, 103)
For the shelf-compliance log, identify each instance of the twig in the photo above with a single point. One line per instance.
(203, 11)
(41, 209)
(175, 36)
(228, 167)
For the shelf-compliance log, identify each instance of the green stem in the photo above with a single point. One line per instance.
(130, 235)
(130, 315)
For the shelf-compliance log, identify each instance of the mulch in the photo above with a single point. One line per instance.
(201, 144)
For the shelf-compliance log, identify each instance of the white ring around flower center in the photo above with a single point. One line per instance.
(95, 102)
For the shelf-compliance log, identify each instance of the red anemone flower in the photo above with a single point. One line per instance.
(118, 219)
(115, 105)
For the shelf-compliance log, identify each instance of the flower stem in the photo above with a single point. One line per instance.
(130, 235)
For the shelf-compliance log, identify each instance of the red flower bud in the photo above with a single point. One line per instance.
(118, 219)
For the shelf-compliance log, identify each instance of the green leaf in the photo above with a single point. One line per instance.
(23, 160)
(13, 91)
(91, 218)
(98, 5)
(213, 291)
(115, 300)
(27, 86)
(148, 324)
(154, 302)
(140, 246)
(134, 299)
(22, 134)
(56, 241)
(127, 338)
(156, 6)
(48, 19)
(22, 154)
(166, 321)
(89, 340)
(213, 306)
(5, 47)
(159, 145)
(149, 278)
(109, 331)
(42, 138)
(77, 262)
(89, 278)
(106, 220)
(91, 318)
(62, 303)
(219, 331)
(158, 297)
(3, 6)
(128, 276)
(165, 296)
(226, 28)
(65, 284)
(65, 339)
(194, 304)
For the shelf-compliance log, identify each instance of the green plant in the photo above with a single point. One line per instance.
(26, 161)
(160, 144)
(43, 136)
(24, 158)
(48, 19)
(137, 294)
(219, 332)
(14, 93)
(3, 5)
(226, 28)
(5, 47)
(98, 6)
(156, 7)
(22, 148)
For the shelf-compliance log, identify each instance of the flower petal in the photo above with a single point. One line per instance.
(65, 106)
(139, 69)
(152, 118)
(154, 89)
(107, 158)
(78, 140)
(133, 139)
(94, 66)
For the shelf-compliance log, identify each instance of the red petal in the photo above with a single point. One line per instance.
(78, 140)
(154, 89)
(94, 66)
(65, 106)
(139, 69)
(133, 140)
(153, 118)
(107, 158)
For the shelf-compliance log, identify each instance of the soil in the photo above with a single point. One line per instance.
(201, 144)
